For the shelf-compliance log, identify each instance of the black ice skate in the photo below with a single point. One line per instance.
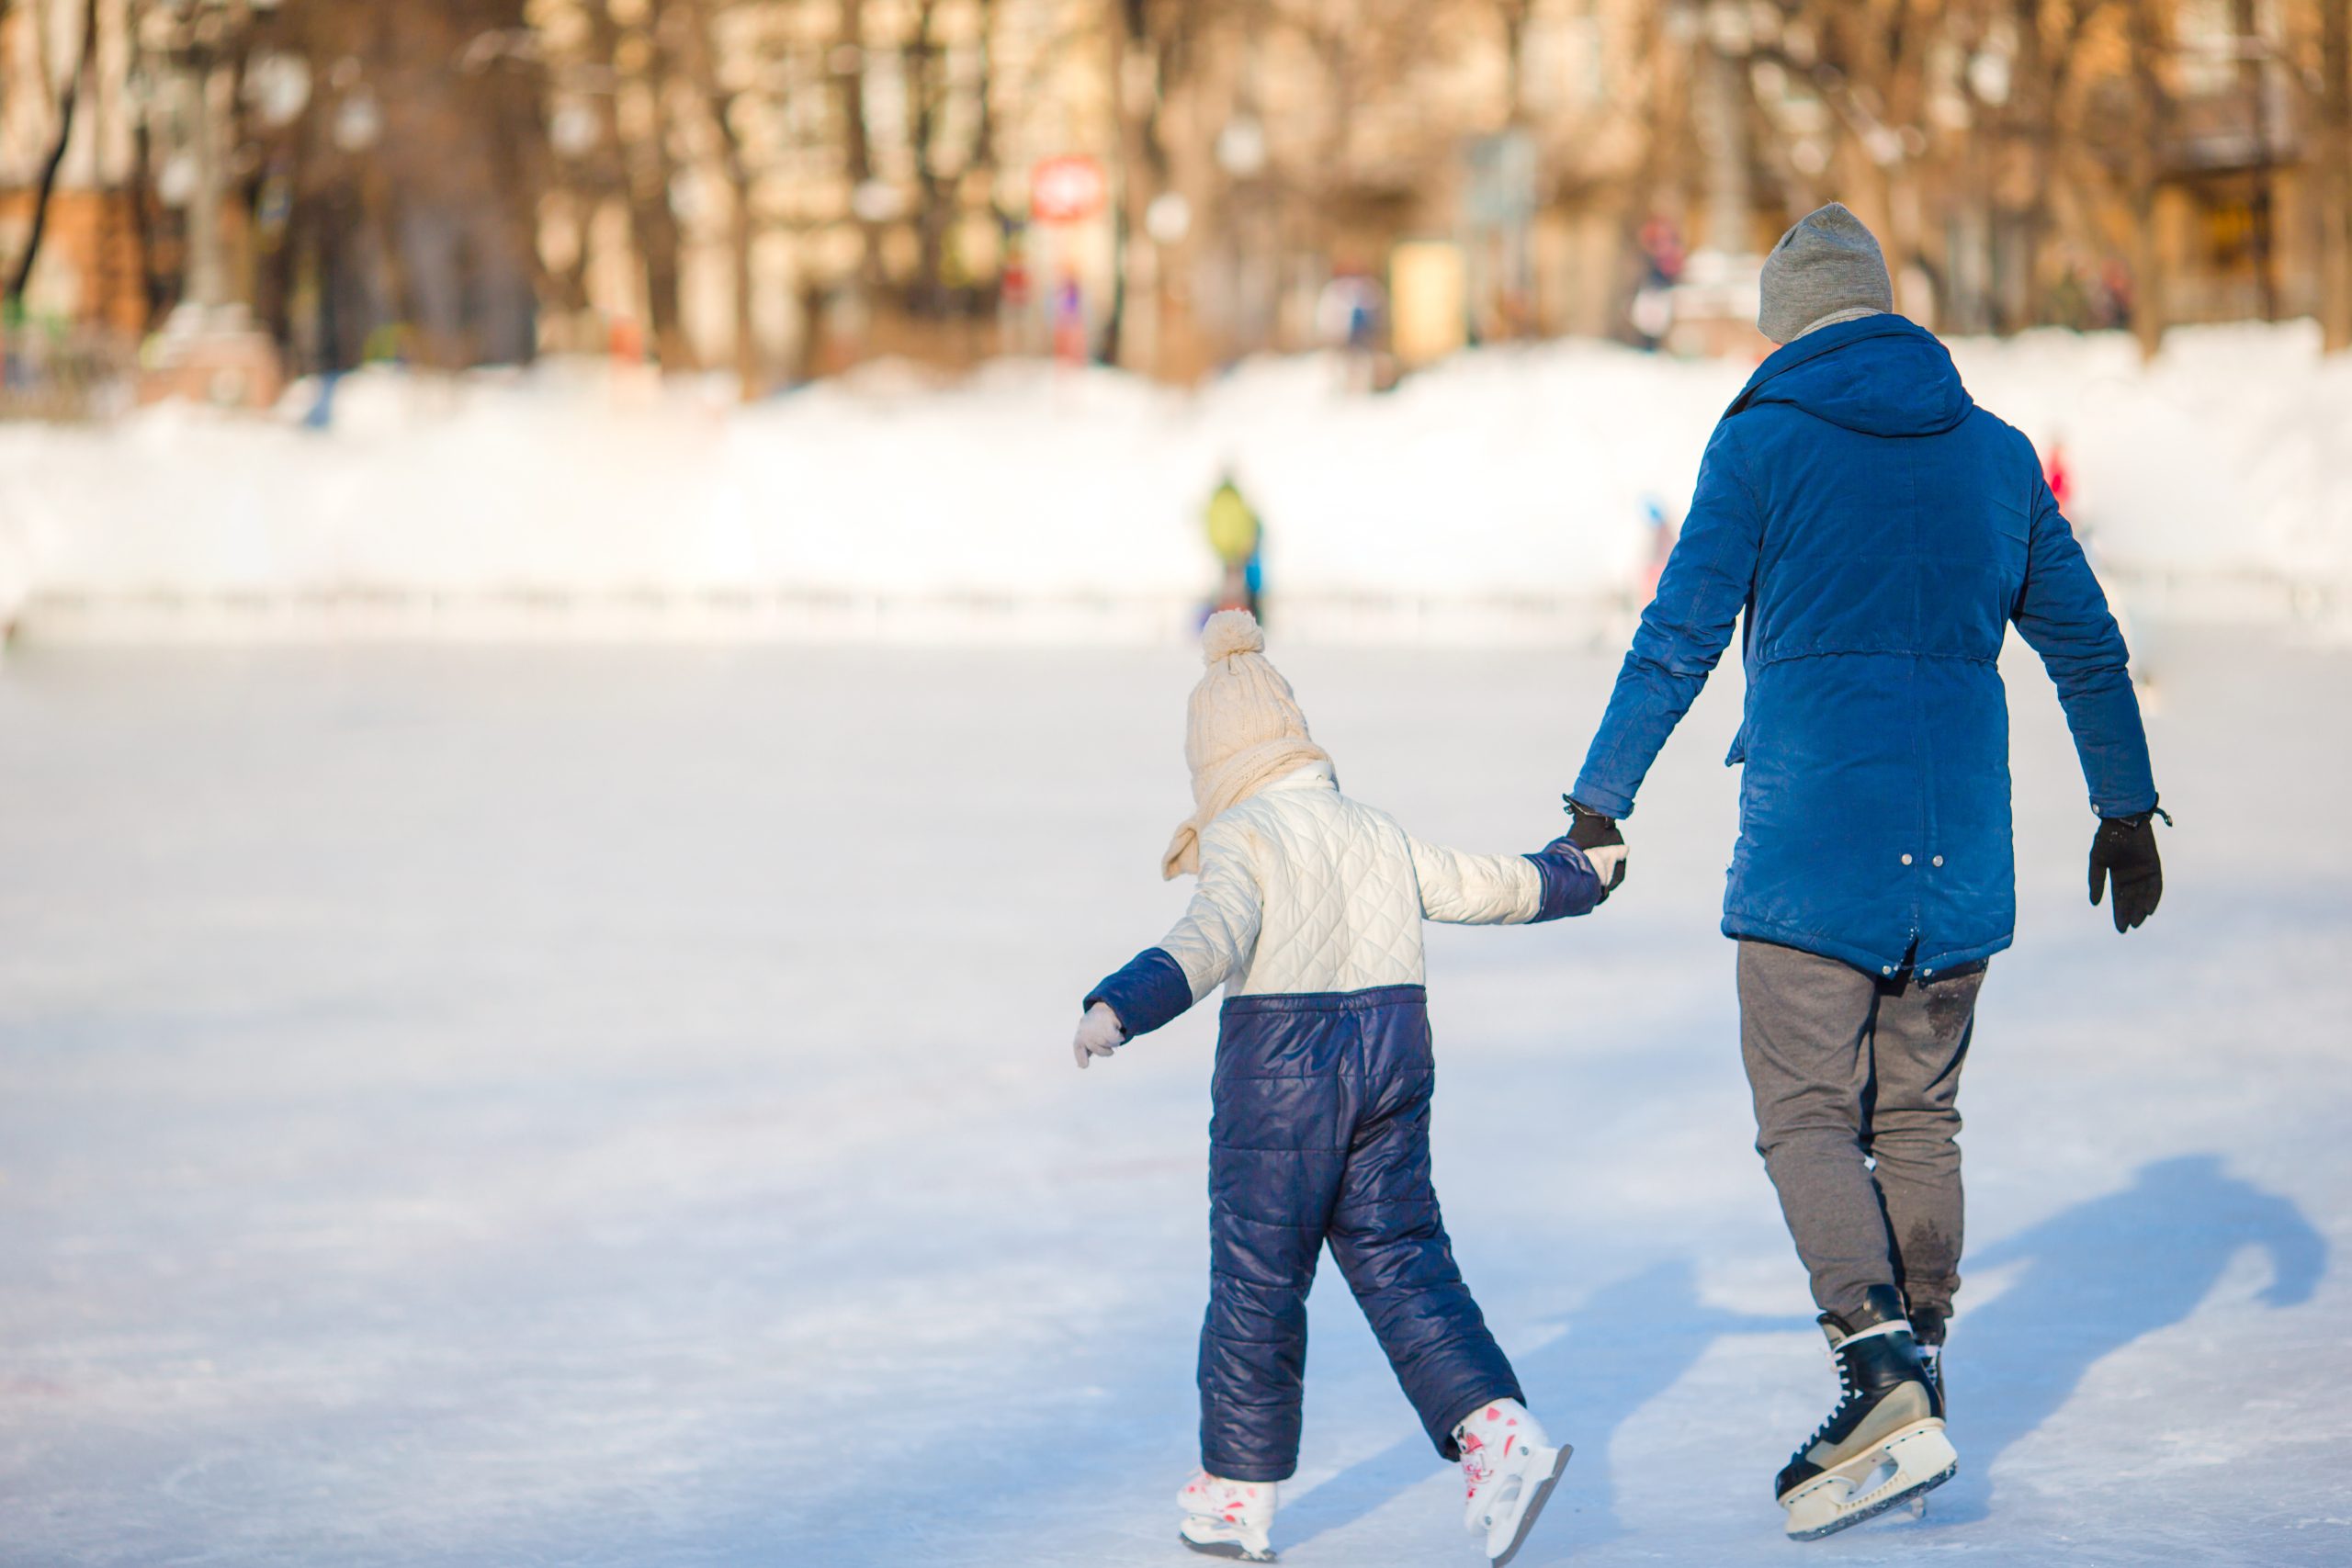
(1928, 1328)
(1884, 1444)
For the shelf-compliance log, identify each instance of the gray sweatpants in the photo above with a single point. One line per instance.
(1855, 1076)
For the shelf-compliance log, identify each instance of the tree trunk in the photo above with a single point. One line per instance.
(155, 290)
(935, 205)
(515, 108)
(645, 174)
(1514, 21)
(704, 72)
(2335, 167)
(656, 227)
(655, 221)
(23, 275)
(1130, 46)
(2033, 108)
(2147, 95)
(856, 143)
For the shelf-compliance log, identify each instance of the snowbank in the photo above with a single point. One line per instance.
(1496, 497)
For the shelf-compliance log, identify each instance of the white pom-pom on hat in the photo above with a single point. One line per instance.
(1229, 632)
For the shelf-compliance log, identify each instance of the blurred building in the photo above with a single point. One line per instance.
(779, 188)
(92, 265)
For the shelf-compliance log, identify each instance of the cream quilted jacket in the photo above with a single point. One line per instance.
(1302, 889)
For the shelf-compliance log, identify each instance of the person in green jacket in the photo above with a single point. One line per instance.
(1234, 536)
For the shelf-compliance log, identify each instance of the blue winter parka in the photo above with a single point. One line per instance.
(1879, 533)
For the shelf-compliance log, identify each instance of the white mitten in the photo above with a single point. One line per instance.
(1099, 1033)
(1606, 859)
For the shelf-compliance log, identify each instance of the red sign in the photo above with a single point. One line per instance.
(1067, 191)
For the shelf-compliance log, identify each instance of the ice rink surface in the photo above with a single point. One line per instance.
(602, 1107)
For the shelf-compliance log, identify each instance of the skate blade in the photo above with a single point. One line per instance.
(1923, 1459)
(1228, 1546)
(1535, 1501)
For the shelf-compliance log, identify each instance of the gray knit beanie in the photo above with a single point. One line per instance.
(1827, 265)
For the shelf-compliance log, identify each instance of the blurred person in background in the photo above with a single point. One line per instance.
(1652, 310)
(1880, 533)
(1348, 316)
(1237, 538)
(2058, 476)
(1659, 524)
(1071, 345)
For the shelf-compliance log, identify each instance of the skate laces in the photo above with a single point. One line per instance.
(1476, 1469)
(1847, 1392)
(1490, 1442)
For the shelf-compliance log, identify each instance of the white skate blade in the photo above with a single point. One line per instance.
(1904, 1468)
(1507, 1532)
(1214, 1537)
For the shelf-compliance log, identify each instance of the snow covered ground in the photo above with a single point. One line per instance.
(613, 1107)
(1497, 498)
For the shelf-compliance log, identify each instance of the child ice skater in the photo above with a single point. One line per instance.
(1308, 911)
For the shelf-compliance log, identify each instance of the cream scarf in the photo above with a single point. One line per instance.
(1221, 788)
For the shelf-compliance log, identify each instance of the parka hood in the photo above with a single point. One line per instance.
(1880, 376)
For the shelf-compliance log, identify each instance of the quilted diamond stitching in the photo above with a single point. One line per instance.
(1333, 898)
(1342, 908)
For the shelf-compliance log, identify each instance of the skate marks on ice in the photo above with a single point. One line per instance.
(1622, 1346)
(2094, 1280)
(2085, 1284)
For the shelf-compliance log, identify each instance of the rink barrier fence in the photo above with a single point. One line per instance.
(260, 617)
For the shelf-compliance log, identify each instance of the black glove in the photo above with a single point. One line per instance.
(2125, 848)
(1597, 837)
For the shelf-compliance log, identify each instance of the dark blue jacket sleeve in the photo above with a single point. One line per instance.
(2063, 616)
(1571, 885)
(1707, 583)
(1149, 991)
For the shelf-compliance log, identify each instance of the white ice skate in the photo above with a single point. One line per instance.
(1508, 1468)
(1227, 1519)
(1900, 1470)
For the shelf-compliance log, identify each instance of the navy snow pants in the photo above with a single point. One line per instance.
(1321, 1134)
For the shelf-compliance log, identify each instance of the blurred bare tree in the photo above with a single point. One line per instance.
(778, 188)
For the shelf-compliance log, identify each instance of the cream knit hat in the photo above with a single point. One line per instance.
(1243, 730)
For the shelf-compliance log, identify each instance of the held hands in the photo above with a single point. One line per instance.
(1602, 844)
(1099, 1033)
(2124, 851)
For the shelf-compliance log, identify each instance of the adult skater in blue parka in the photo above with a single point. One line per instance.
(1308, 912)
(1880, 534)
